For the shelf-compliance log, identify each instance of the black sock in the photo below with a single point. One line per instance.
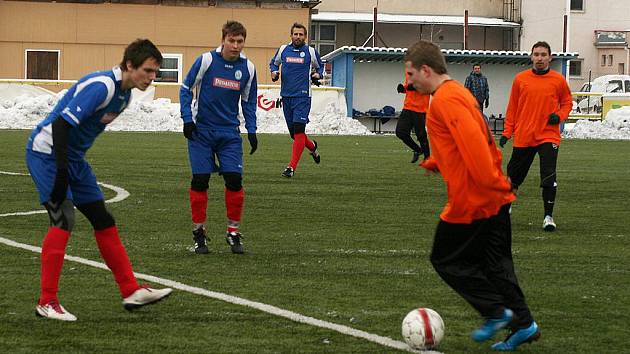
(549, 198)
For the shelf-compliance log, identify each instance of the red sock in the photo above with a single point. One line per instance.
(309, 143)
(53, 251)
(298, 147)
(198, 206)
(115, 256)
(234, 206)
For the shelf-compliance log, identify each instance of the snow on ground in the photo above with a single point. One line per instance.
(24, 110)
(23, 106)
(616, 126)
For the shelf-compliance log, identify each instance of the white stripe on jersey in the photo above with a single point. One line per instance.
(248, 87)
(109, 83)
(206, 61)
(278, 59)
(74, 118)
(43, 141)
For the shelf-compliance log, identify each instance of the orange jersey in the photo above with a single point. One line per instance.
(532, 100)
(414, 100)
(464, 152)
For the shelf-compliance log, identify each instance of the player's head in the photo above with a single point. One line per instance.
(141, 62)
(424, 64)
(477, 69)
(298, 34)
(541, 55)
(232, 40)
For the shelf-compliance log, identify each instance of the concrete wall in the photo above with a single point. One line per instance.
(612, 15)
(93, 36)
(483, 8)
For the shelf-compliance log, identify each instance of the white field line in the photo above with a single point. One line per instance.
(121, 194)
(273, 310)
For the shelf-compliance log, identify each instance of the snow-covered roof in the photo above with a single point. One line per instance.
(412, 19)
(452, 55)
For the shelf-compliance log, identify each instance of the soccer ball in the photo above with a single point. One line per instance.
(423, 328)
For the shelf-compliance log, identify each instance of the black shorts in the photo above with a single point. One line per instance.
(522, 159)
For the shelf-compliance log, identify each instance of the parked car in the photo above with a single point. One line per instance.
(602, 84)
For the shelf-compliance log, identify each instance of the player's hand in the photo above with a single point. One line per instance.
(189, 129)
(315, 79)
(253, 142)
(503, 141)
(400, 88)
(487, 103)
(275, 76)
(554, 119)
(60, 187)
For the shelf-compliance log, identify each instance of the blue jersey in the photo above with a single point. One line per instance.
(297, 64)
(220, 85)
(89, 105)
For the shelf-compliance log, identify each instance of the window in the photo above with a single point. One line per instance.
(171, 68)
(41, 64)
(577, 5)
(575, 68)
(603, 62)
(621, 70)
(610, 60)
(324, 37)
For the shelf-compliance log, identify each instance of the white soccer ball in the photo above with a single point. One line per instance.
(423, 328)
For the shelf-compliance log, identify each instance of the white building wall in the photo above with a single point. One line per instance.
(483, 8)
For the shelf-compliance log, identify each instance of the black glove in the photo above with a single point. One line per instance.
(487, 102)
(503, 141)
(275, 78)
(315, 80)
(400, 88)
(554, 119)
(60, 188)
(410, 87)
(189, 129)
(253, 142)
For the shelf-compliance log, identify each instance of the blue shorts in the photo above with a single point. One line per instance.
(226, 146)
(296, 109)
(82, 181)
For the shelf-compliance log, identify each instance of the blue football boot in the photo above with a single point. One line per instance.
(492, 326)
(516, 338)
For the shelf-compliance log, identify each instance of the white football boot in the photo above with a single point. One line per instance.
(548, 224)
(54, 311)
(145, 296)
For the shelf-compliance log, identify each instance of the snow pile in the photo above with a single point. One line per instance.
(25, 112)
(616, 126)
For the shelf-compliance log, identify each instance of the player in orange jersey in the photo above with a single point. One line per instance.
(540, 100)
(413, 116)
(472, 249)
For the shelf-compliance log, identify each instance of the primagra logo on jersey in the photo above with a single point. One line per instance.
(228, 84)
(238, 74)
(295, 60)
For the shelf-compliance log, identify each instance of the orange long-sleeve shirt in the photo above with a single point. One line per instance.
(414, 100)
(532, 99)
(464, 152)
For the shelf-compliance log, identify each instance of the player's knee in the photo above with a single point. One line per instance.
(199, 182)
(233, 181)
(548, 179)
(401, 133)
(299, 128)
(97, 215)
(61, 216)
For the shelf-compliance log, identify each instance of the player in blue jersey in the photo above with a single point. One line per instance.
(222, 78)
(55, 156)
(299, 65)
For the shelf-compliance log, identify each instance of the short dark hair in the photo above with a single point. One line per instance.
(479, 65)
(299, 25)
(542, 44)
(233, 28)
(426, 53)
(138, 51)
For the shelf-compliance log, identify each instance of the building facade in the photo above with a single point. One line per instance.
(597, 29)
(66, 40)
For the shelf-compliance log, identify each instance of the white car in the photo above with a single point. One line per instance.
(602, 84)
